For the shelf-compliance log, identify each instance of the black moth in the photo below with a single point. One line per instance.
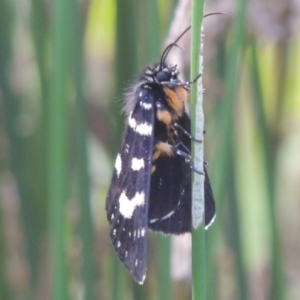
(151, 183)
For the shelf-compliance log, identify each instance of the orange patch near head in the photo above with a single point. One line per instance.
(182, 93)
(176, 99)
(162, 148)
(164, 116)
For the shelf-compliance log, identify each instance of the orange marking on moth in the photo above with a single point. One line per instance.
(164, 116)
(156, 155)
(162, 148)
(153, 168)
(182, 93)
(176, 99)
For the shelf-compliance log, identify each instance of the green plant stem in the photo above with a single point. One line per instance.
(86, 229)
(57, 146)
(231, 76)
(198, 236)
(269, 158)
(164, 261)
(234, 223)
(221, 163)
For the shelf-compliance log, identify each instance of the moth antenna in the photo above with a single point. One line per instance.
(166, 52)
(214, 13)
(170, 46)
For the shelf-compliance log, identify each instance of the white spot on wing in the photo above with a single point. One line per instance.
(143, 232)
(142, 128)
(118, 165)
(141, 94)
(118, 244)
(146, 105)
(127, 206)
(131, 122)
(137, 164)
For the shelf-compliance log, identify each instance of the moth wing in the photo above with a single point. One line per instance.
(170, 195)
(127, 199)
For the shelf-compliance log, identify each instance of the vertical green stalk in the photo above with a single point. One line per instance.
(269, 158)
(228, 103)
(57, 145)
(4, 287)
(19, 146)
(40, 35)
(86, 230)
(234, 224)
(37, 162)
(198, 236)
(163, 268)
(149, 22)
(221, 163)
(126, 65)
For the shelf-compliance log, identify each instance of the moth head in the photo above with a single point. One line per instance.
(167, 74)
(160, 74)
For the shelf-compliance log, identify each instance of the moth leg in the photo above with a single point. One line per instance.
(187, 157)
(176, 125)
(194, 80)
(185, 84)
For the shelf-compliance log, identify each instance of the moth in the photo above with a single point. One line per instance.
(151, 182)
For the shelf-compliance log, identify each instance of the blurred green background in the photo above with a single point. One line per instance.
(64, 65)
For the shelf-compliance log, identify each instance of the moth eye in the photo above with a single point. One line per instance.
(163, 76)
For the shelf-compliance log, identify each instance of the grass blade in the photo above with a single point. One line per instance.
(269, 151)
(225, 117)
(198, 236)
(57, 145)
(86, 229)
